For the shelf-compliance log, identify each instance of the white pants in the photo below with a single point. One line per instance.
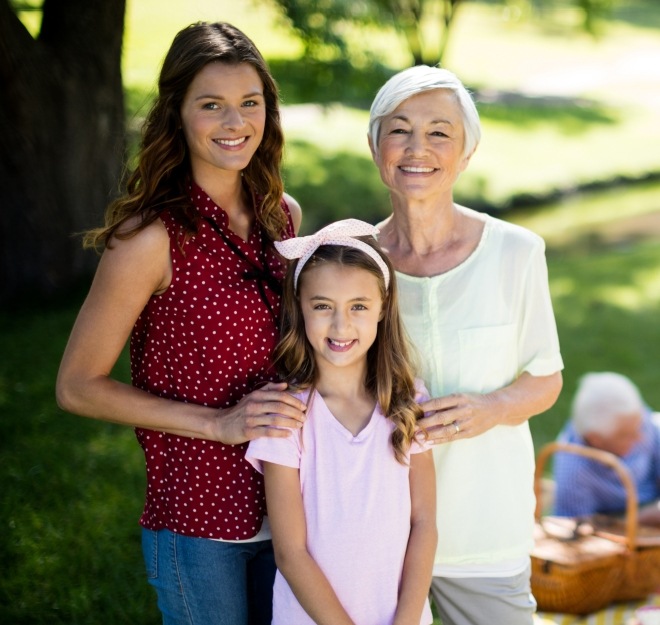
(484, 600)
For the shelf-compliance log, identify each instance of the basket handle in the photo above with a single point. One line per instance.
(605, 457)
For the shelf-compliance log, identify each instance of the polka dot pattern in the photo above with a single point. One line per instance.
(207, 340)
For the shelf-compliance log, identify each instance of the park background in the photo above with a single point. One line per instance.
(571, 149)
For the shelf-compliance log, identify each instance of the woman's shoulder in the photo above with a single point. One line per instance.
(515, 236)
(153, 236)
(294, 209)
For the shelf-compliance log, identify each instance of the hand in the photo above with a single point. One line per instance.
(460, 415)
(260, 413)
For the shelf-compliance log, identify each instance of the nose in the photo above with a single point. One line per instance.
(416, 144)
(340, 321)
(232, 118)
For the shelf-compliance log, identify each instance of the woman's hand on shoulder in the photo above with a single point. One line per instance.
(295, 210)
(268, 411)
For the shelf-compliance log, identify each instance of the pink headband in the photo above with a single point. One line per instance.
(338, 233)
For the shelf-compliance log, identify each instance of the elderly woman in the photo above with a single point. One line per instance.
(476, 303)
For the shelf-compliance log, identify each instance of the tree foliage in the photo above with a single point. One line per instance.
(425, 26)
(323, 25)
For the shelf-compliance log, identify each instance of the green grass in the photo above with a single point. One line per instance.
(72, 491)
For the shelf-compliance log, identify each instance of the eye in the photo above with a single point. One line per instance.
(359, 307)
(320, 307)
(399, 131)
(439, 133)
(250, 103)
(210, 106)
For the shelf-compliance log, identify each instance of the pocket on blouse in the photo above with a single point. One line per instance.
(488, 358)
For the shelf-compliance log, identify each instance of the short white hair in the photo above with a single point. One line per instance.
(416, 80)
(601, 400)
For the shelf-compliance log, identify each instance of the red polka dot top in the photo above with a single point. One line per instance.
(206, 340)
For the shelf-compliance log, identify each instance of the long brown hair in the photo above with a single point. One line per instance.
(390, 373)
(160, 180)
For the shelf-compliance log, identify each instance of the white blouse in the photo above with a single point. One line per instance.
(477, 328)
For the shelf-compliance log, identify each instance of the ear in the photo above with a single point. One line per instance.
(374, 156)
(466, 161)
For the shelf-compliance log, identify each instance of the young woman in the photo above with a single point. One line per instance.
(351, 495)
(190, 274)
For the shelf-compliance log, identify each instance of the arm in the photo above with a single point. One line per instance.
(475, 414)
(418, 563)
(287, 520)
(128, 274)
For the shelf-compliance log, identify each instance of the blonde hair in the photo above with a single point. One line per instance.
(390, 374)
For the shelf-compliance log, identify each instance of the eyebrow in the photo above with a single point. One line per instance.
(323, 298)
(403, 118)
(210, 96)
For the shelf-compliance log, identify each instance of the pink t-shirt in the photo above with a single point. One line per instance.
(356, 498)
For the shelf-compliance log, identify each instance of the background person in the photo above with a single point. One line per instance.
(190, 273)
(475, 300)
(608, 413)
(351, 496)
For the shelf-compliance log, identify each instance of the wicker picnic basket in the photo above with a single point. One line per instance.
(581, 566)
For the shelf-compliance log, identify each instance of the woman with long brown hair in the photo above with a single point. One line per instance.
(190, 274)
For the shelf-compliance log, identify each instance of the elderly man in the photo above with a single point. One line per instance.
(609, 413)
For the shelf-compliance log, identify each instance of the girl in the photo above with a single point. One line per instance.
(190, 273)
(351, 496)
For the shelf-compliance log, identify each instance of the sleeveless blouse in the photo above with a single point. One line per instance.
(206, 340)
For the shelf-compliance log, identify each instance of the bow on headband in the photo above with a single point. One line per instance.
(338, 233)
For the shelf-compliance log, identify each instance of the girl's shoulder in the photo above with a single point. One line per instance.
(421, 392)
(301, 394)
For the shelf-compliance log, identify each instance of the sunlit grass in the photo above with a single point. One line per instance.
(606, 304)
(576, 217)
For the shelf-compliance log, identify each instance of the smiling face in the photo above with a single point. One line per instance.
(420, 150)
(341, 308)
(223, 116)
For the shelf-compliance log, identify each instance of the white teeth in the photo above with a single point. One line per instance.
(418, 170)
(340, 343)
(231, 142)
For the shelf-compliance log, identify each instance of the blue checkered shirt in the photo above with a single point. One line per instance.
(585, 486)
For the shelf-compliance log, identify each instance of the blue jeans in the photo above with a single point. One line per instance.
(207, 582)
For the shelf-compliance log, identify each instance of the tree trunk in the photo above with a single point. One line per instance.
(62, 138)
